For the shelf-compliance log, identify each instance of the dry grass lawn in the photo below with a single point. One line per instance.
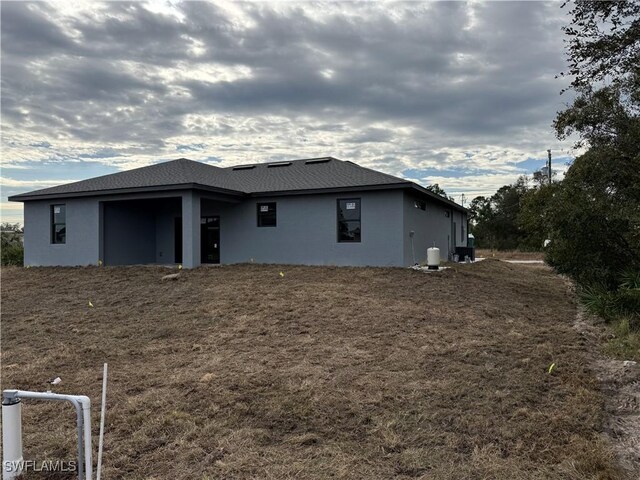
(237, 373)
(509, 254)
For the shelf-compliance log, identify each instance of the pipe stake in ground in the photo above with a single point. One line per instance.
(102, 415)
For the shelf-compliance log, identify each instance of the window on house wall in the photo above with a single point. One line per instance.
(267, 214)
(59, 223)
(422, 205)
(349, 222)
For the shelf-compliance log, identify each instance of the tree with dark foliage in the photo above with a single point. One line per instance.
(438, 190)
(495, 220)
(594, 217)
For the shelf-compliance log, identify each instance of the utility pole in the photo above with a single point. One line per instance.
(549, 166)
(462, 199)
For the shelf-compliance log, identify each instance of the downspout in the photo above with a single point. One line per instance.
(452, 246)
(413, 252)
(101, 234)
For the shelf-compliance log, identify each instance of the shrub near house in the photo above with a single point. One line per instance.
(12, 247)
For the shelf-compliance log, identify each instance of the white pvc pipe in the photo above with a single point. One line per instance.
(85, 403)
(12, 460)
(102, 415)
(83, 410)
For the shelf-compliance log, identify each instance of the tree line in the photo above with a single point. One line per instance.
(591, 218)
(497, 222)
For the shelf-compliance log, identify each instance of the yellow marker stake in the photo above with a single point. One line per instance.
(281, 274)
(179, 267)
(551, 367)
(99, 263)
(90, 304)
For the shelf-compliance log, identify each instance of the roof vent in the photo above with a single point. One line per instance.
(317, 160)
(244, 167)
(278, 164)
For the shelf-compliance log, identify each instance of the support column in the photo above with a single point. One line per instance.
(190, 229)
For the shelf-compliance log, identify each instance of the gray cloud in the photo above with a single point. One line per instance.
(396, 86)
(27, 32)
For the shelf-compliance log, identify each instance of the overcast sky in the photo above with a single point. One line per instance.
(459, 94)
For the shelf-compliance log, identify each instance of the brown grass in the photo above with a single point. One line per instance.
(237, 372)
(509, 254)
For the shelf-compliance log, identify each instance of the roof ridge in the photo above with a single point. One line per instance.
(182, 163)
(379, 172)
(297, 160)
(185, 163)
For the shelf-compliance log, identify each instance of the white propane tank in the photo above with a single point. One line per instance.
(433, 258)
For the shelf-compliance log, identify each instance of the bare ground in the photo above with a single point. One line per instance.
(239, 372)
(620, 381)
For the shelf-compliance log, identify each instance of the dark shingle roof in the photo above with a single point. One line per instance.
(310, 174)
(262, 178)
(176, 172)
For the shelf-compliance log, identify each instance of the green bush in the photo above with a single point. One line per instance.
(613, 305)
(598, 301)
(630, 279)
(11, 247)
(13, 254)
(593, 220)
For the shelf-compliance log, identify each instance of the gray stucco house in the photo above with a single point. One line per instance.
(319, 211)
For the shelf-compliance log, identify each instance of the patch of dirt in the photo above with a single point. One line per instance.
(238, 372)
(620, 381)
